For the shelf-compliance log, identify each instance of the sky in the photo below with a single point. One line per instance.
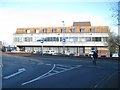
(44, 13)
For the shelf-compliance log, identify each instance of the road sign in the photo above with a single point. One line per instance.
(64, 40)
(42, 41)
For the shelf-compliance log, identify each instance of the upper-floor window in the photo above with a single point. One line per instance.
(54, 30)
(63, 30)
(27, 39)
(97, 39)
(36, 31)
(88, 39)
(45, 30)
(72, 30)
(104, 39)
(82, 30)
(27, 31)
(92, 29)
(18, 39)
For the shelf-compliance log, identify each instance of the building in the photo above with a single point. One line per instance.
(0, 45)
(79, 38)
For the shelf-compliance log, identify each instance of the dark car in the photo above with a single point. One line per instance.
(102, 55)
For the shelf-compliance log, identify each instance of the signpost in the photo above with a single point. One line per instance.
(63, 40)
(42, 41)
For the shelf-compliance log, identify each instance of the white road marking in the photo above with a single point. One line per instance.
(48, 64)
(19, 71)
(61, 68)
(55, 71)
(38, 77)
(63, 65)
(49, 73)
(106, 78)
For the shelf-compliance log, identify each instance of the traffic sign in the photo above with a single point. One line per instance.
(64, 40)
(42, 41)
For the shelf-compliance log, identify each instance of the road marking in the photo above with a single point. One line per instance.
(14, 74)
(106, 78)
(55, 71)
(61, 68)
(63, 65)
(49, 73)
(38, 77)
(48, 64)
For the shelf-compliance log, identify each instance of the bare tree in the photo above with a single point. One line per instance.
(116, 20)
(113, 47)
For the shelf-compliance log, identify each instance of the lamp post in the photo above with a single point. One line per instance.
(63, 39)
(42, 41)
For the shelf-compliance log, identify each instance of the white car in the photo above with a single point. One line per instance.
(50, 52)
(115, 55)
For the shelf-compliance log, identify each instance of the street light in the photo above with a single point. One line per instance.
(42, 41)
(63, 39)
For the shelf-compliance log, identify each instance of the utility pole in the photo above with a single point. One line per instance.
(63, 39)
(119, 27)
(42, 41)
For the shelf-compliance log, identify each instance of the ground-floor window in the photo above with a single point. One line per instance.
(77, 50)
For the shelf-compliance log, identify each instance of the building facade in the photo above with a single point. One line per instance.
(79, 38)
(0, 45)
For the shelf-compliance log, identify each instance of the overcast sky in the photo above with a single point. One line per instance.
(35, 13)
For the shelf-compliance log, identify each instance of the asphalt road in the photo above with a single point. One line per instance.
(57, 72)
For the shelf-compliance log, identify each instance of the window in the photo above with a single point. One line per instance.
(81, 39)
(88, 39)
(28, 39)
(49, 38)
(46, 39)
(27, 31)
(45, 31)
(54, 30)
(82, 30)
(63, 38)
(55, 39)
(73, 39)
(36, 31)
(97, 39)
(92, 29)
(63, 30)
(105, 39)
(18, 39)
(72, 30)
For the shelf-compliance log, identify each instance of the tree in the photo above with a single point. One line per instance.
(116, 20)
(112, 43)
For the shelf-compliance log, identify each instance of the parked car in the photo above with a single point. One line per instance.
(115, 55)
(71, 54)
(102, 55)
(50, 52)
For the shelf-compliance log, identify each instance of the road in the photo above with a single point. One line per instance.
(57, 72)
